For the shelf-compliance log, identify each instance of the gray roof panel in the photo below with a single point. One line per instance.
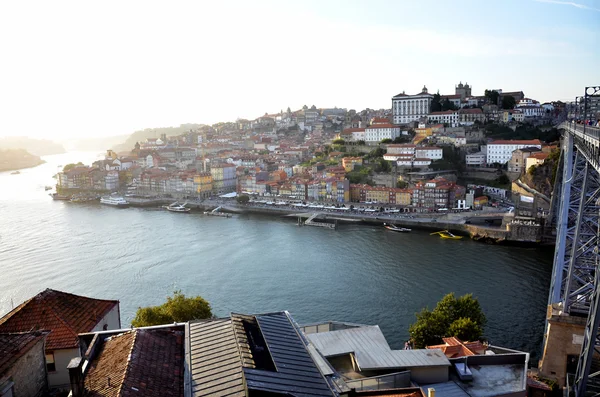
(215, 364)
(372, 351)
(297, 373)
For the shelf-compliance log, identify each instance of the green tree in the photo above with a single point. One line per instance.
(177, 308)
(508, 102)
(503, 179)
(493, 96)
(339, 141)
(461, 317)
(447, 105)
(386, 140)
(465, 329)
(401, 139)
(436, 104)
(243, 199)
(401, 184)
(383, 166)
(361, 142)
(70, 166)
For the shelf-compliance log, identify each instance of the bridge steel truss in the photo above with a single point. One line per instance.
(575, 284)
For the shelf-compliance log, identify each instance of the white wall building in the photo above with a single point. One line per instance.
(532, 111)
(476, 159)
(501, 151)
(407, 108)
(429, 152)
(377, 132)
(401, 149)
(449, 117)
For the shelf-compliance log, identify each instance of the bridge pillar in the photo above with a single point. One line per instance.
(563, 341)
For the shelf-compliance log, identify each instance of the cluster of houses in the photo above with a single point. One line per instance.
(274, 154)
(57, 342)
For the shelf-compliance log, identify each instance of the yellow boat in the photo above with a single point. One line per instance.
(447, 234)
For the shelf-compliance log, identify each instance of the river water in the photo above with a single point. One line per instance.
(252, 263)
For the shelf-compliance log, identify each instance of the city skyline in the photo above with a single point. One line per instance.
(80, 70)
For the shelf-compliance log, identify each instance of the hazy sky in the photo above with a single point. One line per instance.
(82, 68)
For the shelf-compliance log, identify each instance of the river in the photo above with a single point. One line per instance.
(252, 263)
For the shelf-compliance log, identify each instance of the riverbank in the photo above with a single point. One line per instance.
(477, 225)
(509, 231)
(18, 159)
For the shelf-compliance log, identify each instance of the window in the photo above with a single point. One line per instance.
(50, 364)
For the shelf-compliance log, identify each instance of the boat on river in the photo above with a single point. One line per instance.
(176, 207)
(115, 201)
(56, 196)
(46, 188)
(395, 228)
(447, 235)
(15, 173)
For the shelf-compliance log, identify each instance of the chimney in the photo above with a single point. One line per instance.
(76, 377)
(431, 392)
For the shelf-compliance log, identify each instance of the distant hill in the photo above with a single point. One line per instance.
(38, 147)
(101, 144)
(16, 159)
(141, 135)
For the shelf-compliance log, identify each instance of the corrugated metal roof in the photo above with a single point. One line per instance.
(296, 373)
(215, 364)
(372, 351)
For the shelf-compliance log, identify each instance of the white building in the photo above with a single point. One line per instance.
(501, 151)
(449, 117)
(352, 134)
(419, 162)
(532, 111)
(407, 108)
(377, 132)
(429, 152)
(111, 180)
(476, 159)
(401, 149)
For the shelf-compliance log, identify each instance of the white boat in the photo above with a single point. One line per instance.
(176, 207)
(395, 228)
(115, 201)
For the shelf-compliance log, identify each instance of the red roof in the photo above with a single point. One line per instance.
(64, 314)
(15, 345)
(516, 142)
(349, 130)
(147, 361)
(539, 156)
(382, 125)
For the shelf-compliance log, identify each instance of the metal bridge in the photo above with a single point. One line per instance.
(575, 285)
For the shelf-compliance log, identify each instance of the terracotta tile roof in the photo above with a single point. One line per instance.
(539, 156)
(64, 314)
(141, 362)
(14, 345)
(381, 125)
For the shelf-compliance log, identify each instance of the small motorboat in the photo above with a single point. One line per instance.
(395, 228)
(447, 235)
(46, 188)
(15, 173)
(176, 207)
(56, 196)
